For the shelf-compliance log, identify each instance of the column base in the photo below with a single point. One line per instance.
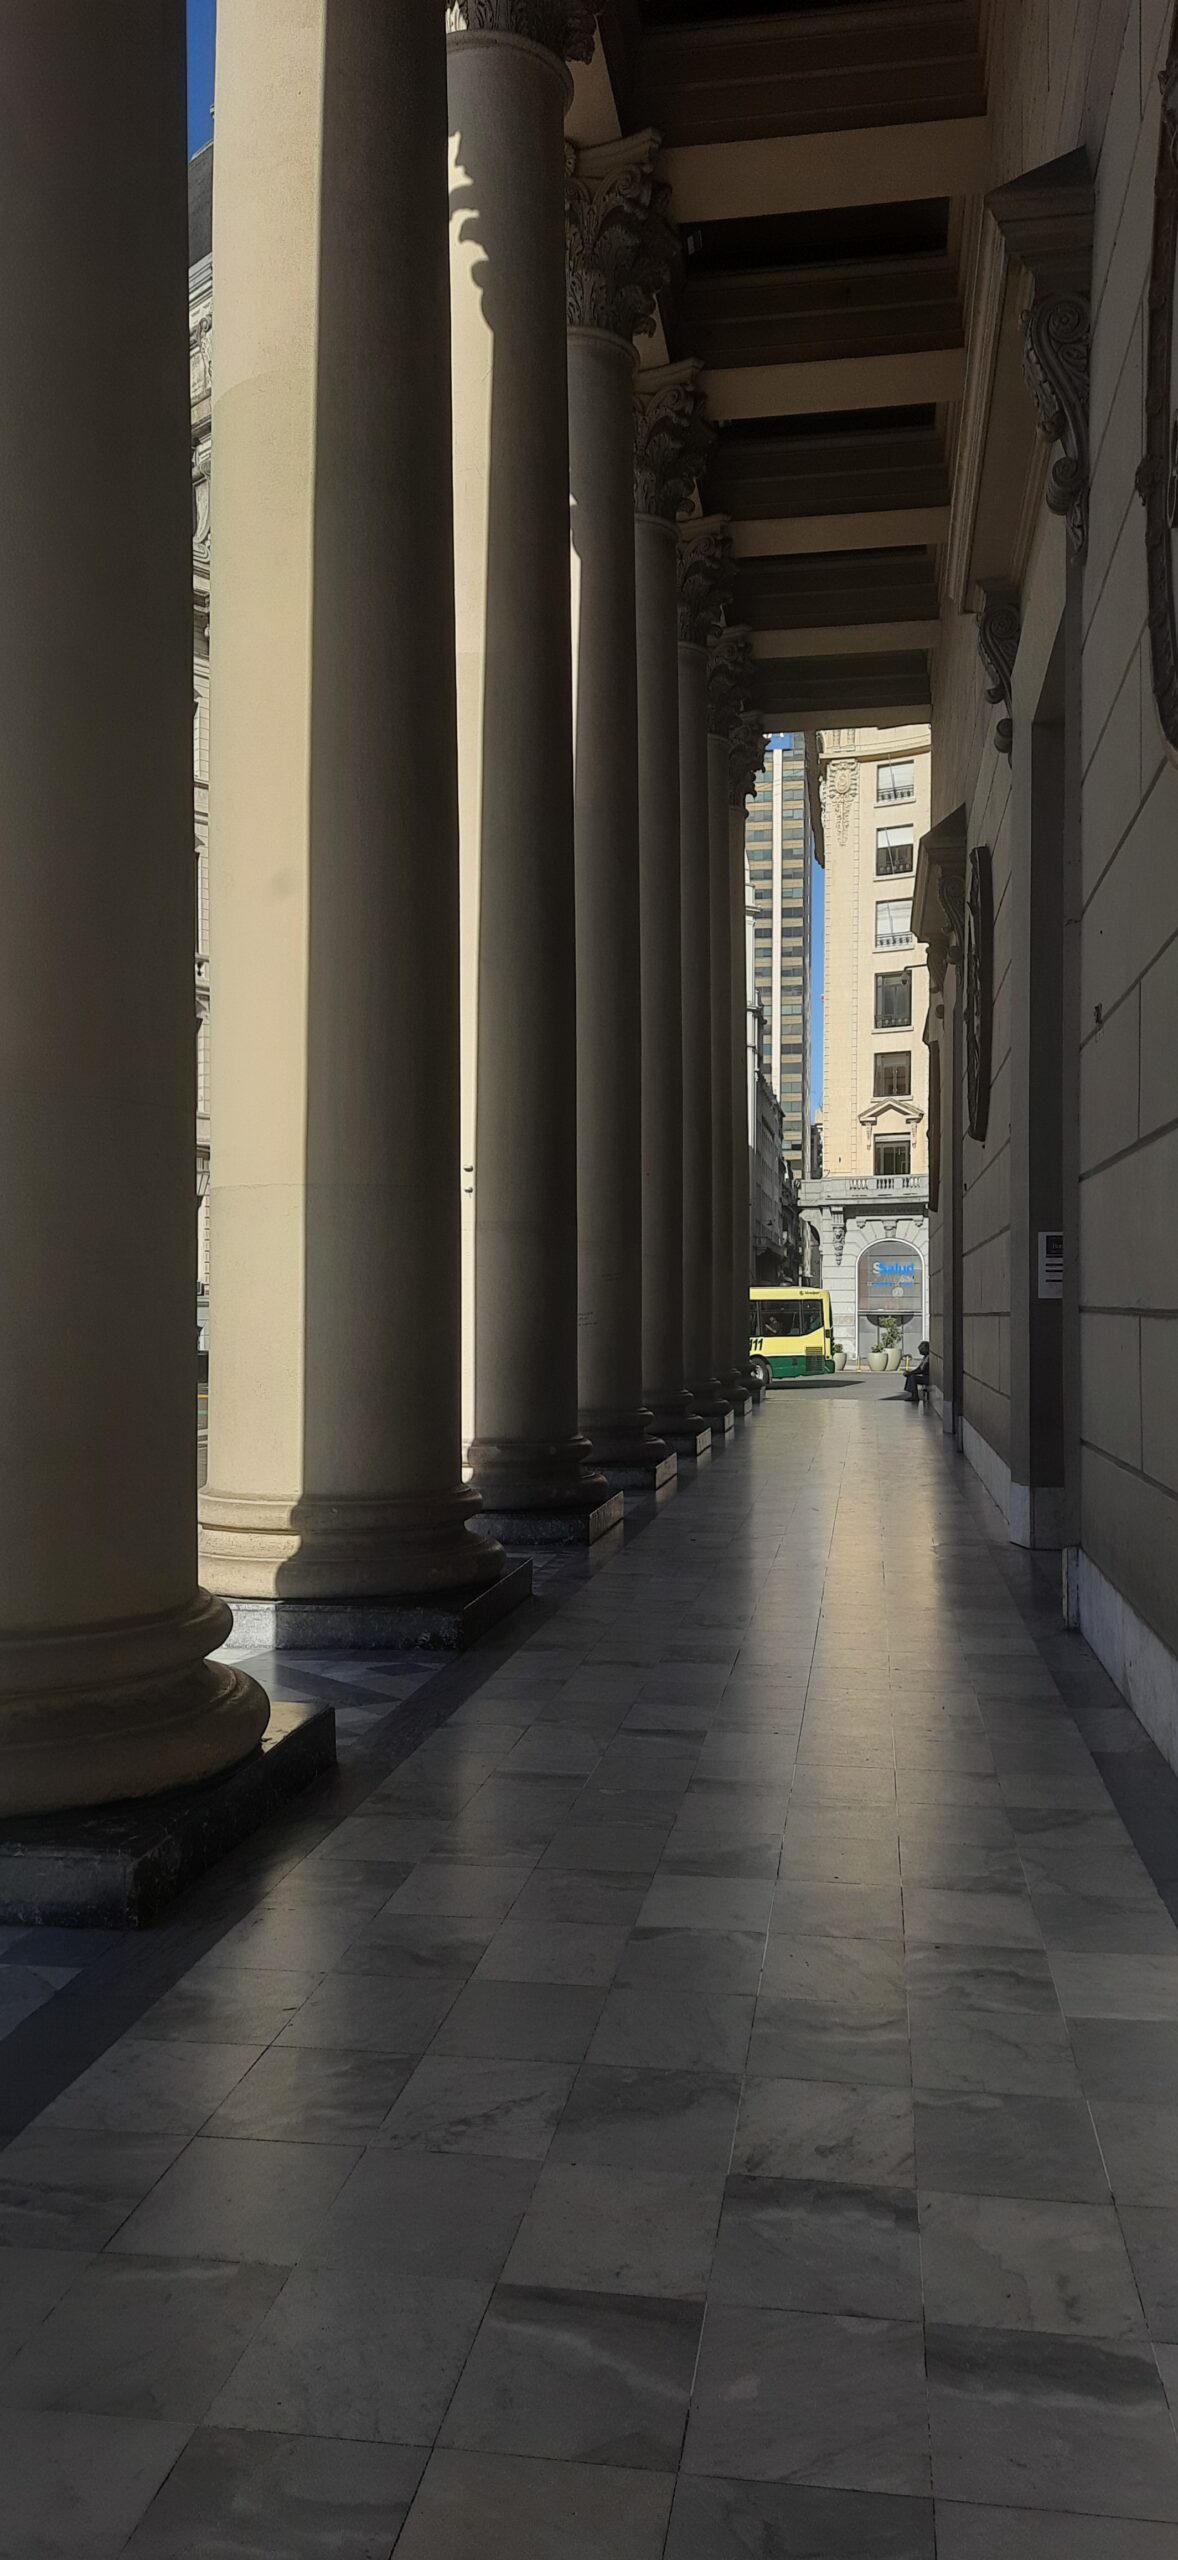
(741, 1394)
(115, 1867)
(98, 1715)
(434, 1621)
(693, 1441)
(629, 1453)
(717, 1408)
(347, 1549)
(567, 1527)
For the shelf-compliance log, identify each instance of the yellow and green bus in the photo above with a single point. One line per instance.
(790, 1334)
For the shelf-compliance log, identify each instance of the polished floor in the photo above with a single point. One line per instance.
(703, 2083)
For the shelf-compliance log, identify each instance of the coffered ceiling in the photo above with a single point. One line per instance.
(820, 156)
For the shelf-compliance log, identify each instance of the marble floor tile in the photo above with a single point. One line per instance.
(477, 1890)
(521, 2021)
(356, 2352)
(1151, 2237)
(1118, 1986)
(142, 2338)
(673, 2028)
(731, 2519)
(999, 2262)
(974, 2142)
(241, 2495)
(249, 2199)
(978, 2533)
(311, 2093)
(804, 2245)
(1071, 2424)
(368, 2013)
(1023, 2052)
(505, 2110)
(75, 2485)
(150, 2088)
(615, 2230)
(31, 2282)
(1140, 2146)
(580, 2377)
(562, 1951)
(74, 2190)
(707, 1902)
(962, 1917)
(638, 2119)
(472, 2504)
(835, 2132)
(1127, 2058)
(425, 2214)
(836, 1910)
(708, 1962)
(836, 2403)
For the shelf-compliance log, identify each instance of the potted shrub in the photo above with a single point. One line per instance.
(892, 1341)
(839, 1356)
(877, 1357)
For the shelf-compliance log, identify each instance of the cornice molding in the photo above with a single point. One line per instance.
(672, 438)
(619, 244)
(566, 28)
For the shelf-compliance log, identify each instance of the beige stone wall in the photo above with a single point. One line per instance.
(851, 1042)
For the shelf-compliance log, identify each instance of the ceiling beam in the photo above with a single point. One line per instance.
(841, 382)
(815, 172)
(846, 640)
(788, 537)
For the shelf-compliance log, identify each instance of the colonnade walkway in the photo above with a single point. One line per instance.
(702, 2082)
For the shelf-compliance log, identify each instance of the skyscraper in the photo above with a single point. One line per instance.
(778, 845)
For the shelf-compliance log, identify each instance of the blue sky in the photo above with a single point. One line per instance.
(201, 22)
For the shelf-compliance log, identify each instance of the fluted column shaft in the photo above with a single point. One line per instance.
(511, 480)
(609, 222)
(334, 1461)
(104, 1687)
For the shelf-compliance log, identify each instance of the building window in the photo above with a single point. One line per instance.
(893, 923)
(893, 851)
(893, 1000)
(895, 781)
(893, 1155)
(893, 1073)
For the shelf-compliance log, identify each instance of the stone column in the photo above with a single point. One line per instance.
(509, 88)
(617, 248)
(703, 582)
(105, 1690)
(671, 441)
(746, 754)
(726, 662)
(334, 1463)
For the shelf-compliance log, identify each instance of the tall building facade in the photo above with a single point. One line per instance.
(779, 840)
(870, 1203)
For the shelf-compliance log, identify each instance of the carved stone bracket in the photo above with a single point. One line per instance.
(619, 244)
(838, 1225)
(999, 627)
(564, 27)
(938, 896)
(672, 439)
(1046, 221)
(705, 578)
(840, 791)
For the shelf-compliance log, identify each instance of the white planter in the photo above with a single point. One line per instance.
(877, 1360)
(840, 1361)
(894, 1356)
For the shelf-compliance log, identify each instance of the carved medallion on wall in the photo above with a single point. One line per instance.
(1157, 479)
(979, 987)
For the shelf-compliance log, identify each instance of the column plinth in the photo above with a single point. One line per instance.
(511, 492)
(334, 1453)
(105, 1689)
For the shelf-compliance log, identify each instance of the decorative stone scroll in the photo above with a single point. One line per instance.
(705, 578)
(1157, 478)
(619, 243)
(563, 27)
(672, 439)
(979, 988)
(1046, 220)
(999, 629)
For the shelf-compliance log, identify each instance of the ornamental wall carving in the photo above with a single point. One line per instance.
(619, 243)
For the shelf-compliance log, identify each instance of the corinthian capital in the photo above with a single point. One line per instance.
(563, 27)
(705, 578)
(619, 245)
(672, 438)
(746, 754)
(729, 656)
